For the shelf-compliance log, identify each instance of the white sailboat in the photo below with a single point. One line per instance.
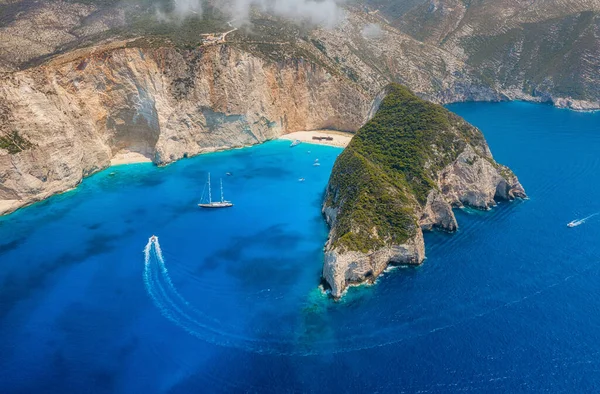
(215, 204)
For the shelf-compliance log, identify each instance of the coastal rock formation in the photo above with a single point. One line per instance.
(341, 270)
(84, 81)
(473, 180)
(403, 173)
(544, 51)
(67, 119)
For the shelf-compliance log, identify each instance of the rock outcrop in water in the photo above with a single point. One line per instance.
(67, 119)
(403, 173)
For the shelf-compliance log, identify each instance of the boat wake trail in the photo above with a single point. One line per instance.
(178, 310)
(171, 304)
(579, 222)
(174, 307)
(308, 339)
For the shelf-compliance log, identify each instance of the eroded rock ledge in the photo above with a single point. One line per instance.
(403, 173)
(68, 118)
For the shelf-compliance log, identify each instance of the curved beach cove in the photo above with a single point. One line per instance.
(228, 300)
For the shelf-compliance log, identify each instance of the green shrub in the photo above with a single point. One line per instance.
(14, 143)
(389, 167)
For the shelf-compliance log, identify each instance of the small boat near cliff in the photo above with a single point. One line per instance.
(215, 204)
(296, 142)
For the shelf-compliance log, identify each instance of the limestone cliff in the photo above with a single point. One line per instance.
(527, 50)
(443, 50)
(66, 119)
(403, 173)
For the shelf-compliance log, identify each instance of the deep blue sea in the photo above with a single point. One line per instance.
(230, 302)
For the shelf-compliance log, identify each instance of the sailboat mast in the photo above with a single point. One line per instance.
(222, 199)
(209, 192)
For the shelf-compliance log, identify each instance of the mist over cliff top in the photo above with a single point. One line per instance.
(325, 13)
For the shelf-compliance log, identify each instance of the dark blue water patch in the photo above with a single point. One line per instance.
(509, 303)
(11, 245)
(94, 226)
(275, 235)
(17, 286)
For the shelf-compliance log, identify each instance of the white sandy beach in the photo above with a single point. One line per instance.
(126, 157)
(340, 138)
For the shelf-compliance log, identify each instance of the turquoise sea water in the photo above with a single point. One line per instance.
(509, 303)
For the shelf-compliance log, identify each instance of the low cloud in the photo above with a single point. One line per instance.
(372, 31)
(317, 12)
(186, 7)
(161, 16)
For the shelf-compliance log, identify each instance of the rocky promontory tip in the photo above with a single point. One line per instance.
(401, 174)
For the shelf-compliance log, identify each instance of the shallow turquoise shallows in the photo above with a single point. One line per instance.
(228, 299)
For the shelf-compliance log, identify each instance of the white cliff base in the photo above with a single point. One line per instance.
(83, 112)
(471, 180)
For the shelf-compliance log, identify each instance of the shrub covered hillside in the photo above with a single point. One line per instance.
(381, 182)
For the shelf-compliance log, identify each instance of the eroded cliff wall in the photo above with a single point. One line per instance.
(67, 119)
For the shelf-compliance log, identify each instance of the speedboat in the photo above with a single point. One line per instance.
(316, 163)
(153, 239)
(301, 180)
(296, 142)
(573, 224)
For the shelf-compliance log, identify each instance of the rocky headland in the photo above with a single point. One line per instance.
(401, 174)
(85, 83)
(67, 119)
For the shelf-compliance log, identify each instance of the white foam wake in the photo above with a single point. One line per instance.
(165, 296)
(178, 310)
(579, 222)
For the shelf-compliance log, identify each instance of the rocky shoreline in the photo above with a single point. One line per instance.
(164, 103)
(377, 213)
(74, 116)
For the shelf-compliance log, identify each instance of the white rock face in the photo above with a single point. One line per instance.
(342, 269)
(438, 214)
(473, 179)
(83, 108)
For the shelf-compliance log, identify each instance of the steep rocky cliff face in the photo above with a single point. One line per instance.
(84, 80)
(531, 50)
(67, 119)
(444, 50)
(403, 173)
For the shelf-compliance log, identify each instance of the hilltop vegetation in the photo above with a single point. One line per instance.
(401, 174)
(389, 168)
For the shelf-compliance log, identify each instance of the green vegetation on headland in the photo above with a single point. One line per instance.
(389, 168)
